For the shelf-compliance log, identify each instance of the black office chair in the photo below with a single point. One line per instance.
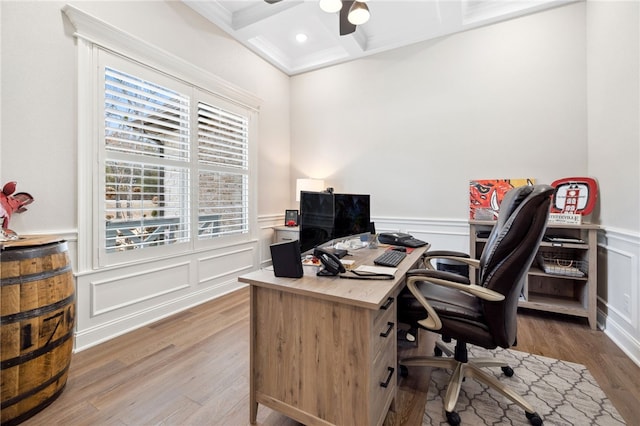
(483, 314)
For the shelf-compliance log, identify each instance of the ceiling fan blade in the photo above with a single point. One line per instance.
(346, 27)
(272, 1)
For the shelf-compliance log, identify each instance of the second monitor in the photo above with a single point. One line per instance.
(325, 216)
(351, 214)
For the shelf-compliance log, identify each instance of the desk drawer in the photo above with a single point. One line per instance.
(387, 307)
(384, 330)
(384, 378)
(282, 236)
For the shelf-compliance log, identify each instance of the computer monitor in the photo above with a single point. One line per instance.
(351, 214)
(316, 219)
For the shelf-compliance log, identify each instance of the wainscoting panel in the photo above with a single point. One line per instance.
(619, 289)
(267, 237)
(121, 291)
(441, 234)
(115, 301)
(218, 267)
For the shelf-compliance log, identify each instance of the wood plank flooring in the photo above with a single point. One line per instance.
(192, 369)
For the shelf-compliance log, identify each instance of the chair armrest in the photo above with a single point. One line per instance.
(447, 279)
(451, 255)
(439, 253)
(442, 275)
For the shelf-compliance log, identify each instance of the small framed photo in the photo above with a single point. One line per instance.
(291, 217)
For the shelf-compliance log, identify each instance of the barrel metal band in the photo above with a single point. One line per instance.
(32, 313)
(9, 402)
(21, 253)
(35, 410)
(11, 362)
(34, 277)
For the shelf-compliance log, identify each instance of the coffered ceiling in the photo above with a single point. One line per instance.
(270, 30)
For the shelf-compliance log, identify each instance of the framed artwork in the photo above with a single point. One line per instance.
(291, 217)
(574, 195)
(485, 196)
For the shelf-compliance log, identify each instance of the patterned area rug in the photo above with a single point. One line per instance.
(563, 393)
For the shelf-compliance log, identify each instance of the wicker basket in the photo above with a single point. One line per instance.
(560, 264)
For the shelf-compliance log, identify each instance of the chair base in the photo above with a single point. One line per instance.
(470, 368)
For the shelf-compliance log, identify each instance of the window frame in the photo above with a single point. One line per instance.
(93, 36)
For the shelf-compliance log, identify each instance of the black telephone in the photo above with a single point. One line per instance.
(331, 263)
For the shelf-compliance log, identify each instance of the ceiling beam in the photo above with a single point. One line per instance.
(260, 11)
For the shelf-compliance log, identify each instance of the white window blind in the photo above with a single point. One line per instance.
(147, 171)
(139, 155)
(223, 163)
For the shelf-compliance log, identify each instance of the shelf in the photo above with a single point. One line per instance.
(548, 303)
(579, 246)
(556, 292)
(540, 273)
(549, 226)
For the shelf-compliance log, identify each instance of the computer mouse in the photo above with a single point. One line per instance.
(404, 249)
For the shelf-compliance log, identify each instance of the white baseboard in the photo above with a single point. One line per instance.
(617, 332)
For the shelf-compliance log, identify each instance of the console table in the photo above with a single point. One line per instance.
(286, 233)
(323, 349)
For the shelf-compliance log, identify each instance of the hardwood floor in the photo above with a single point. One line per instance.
(192, 369)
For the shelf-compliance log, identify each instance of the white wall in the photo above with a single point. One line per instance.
(614, 109)
(613, 87)
(39, 150)
(414, 125)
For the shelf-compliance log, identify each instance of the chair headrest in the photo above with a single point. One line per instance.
(511, 201)
(525, 197)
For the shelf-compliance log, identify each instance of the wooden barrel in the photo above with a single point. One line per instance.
(37, 294)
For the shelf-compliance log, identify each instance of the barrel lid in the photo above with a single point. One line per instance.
(31, 240)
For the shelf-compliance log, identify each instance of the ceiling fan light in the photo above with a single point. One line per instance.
(331, 6)
(359, 13)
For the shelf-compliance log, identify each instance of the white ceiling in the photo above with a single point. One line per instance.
(270, 29)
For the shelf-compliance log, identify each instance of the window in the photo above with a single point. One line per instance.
(146, 143)
(223, 172)
(166, 152)
(164, 184)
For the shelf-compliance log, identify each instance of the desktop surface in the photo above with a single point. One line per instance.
(365, 293)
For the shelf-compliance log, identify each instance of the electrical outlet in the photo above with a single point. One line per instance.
(627, 301)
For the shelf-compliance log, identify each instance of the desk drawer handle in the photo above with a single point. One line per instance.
(388, 303)
(386, 333)
(386, 382)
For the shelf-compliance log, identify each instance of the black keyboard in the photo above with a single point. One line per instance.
(390, 258)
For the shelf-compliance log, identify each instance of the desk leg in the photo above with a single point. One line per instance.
(253, 404)
(254, 410)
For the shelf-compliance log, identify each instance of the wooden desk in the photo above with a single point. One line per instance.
(323, 349)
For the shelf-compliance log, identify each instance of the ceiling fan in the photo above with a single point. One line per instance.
(352, 12)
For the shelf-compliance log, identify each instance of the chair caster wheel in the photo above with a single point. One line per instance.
(404, 371)
(534, 419)
(437, 351)
(453, 418)
(508, 371)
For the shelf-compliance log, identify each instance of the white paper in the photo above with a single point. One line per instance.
(377, 269)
